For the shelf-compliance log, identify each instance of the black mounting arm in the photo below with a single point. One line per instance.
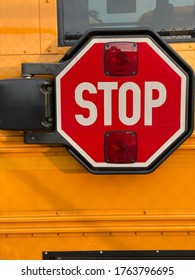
(28, 103)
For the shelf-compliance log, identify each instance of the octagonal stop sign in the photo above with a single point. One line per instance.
(124, 101)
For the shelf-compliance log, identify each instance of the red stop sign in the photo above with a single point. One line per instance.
(152, 103)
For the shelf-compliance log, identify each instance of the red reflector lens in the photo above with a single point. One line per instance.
(120, 59)
(120, 147)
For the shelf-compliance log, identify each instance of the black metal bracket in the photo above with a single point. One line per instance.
(31, 69)
(53, 137)
(27, 103)
(40, 137)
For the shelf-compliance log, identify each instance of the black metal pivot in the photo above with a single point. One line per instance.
(42, 69)
(49, 137)
(26, 104)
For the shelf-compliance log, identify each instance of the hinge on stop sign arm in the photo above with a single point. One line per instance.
(26, 103)
(50, 136)
(42, 69)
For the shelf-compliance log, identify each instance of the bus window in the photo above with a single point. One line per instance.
(164, 16)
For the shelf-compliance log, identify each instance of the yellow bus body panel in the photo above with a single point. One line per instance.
(49, 202)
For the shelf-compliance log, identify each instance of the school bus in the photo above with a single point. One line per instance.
(51, 207)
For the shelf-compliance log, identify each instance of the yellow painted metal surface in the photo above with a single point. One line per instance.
(49, 202)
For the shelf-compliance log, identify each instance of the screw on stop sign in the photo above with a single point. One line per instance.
(136, 86)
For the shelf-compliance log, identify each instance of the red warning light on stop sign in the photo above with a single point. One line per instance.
(150, 103)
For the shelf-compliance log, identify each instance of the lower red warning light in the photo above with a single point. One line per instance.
(120, 147)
